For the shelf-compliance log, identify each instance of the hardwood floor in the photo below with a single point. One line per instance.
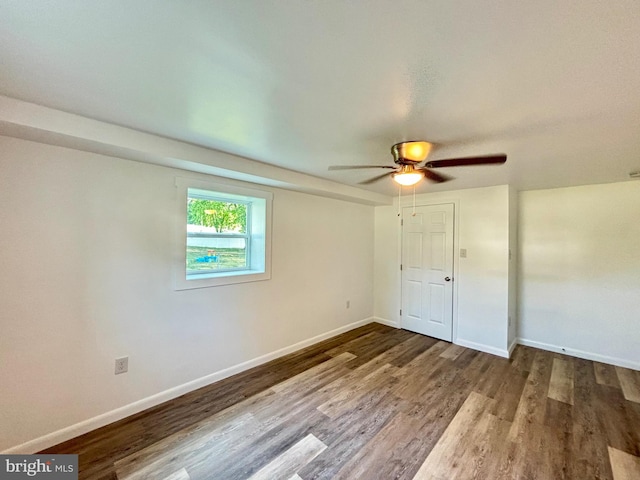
(381, 403)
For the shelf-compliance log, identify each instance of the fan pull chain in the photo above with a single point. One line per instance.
(399, 198)
(414, 202)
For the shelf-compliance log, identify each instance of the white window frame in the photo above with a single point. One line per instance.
(258, 234)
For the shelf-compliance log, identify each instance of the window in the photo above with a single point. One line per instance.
(218, 233)
(223, 234)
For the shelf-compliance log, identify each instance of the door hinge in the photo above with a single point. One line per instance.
(402, 222)
(400, 312)
(400, 267)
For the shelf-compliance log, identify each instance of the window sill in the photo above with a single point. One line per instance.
(220, 279)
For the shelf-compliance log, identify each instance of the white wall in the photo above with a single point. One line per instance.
(482, 279)
(580, 271)
(386, 265)
(85, 277)
(513, 266)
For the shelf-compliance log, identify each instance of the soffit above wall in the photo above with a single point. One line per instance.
(40, 124)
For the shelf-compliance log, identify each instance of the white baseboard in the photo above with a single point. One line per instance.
(384, 321)
(72, 431)
(482, 347)
(620, 362)
(512, 346)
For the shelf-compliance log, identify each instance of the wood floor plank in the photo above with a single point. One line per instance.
(413, 347)
(292, 460)
(430, 418)
(558, 455)
(477, 367)
(452, 352)
(468, 443)
(358, 343)
(338, 340)
(590, 455)
(467, 358)
(492, 378)
(312, 373)
(531, 408)
(630, 383)
(358, 427)
(412, 387)
(606, 375)
(381, 346)
(617, 419)
(350, 394)
(398, 449)
(285, 406)
(541, 453)
(179, 475)
(259, 380)
(397, 355)
(624, 466)
(561, 383)
(423, 360)
(310, 390)
(348, 379)
(260, 449)
(522, 358)
(509, 393)
(414, 376)
(361, 370)
(559, 415)
(190, 448)
(631, 424)
(398, 432)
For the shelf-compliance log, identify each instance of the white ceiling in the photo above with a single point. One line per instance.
(305, 84)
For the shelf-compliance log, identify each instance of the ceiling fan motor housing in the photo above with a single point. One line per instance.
(410, 153)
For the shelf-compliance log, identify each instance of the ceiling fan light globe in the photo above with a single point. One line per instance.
(407, 179)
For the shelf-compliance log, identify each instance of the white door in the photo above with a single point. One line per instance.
(427, 270)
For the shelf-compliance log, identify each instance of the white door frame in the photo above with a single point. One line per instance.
(408, 202)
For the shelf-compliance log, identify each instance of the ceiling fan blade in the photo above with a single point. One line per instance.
(433, 176)
(461, 162)
(353, 167)
(375, 179)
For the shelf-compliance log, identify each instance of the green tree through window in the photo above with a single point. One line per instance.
(223, 216)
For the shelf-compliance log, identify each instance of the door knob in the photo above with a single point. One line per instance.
(447, 279)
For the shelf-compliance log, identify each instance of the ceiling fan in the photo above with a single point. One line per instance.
(407, 156)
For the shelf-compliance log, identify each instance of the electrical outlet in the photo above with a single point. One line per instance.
(463, 253)
(122, 365)
(348, 303)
